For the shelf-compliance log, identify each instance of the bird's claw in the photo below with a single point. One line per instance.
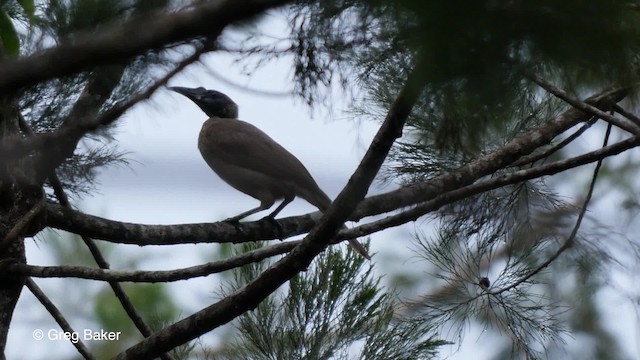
(275, 224)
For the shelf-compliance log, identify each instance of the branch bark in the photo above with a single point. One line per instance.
(582, 105)
(119, 42)
(106, 274)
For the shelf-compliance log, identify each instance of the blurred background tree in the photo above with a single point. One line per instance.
(524, 260)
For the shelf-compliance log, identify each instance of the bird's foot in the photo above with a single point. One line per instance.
(234, 219)
(272, 221)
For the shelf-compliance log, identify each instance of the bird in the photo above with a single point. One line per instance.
(252, 162)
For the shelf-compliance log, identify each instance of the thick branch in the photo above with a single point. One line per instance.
(119, 42)
(138, 234)
(530, 159)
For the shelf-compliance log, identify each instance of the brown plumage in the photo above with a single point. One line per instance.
(250, 161)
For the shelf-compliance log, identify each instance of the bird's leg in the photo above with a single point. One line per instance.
(284, 203)
(271, 217)
(236, 219)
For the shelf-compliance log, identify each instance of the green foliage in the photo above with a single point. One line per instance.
(503, 236)
(471, 53)
(68, 17)
(152, 301)
(332, 311)
(530, 321)
(9, 12)
(463, 39)
(28, 6)
(8, 34)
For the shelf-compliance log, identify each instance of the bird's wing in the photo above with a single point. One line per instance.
(242, 144)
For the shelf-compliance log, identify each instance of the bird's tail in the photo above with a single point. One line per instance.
(320, 200)
(316, 197)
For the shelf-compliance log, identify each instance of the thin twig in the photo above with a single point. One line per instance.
(581, 105)
(22, 222)
(106, 274)
(629, 115)
(535, 157)
(246, 89)
(571, 238)
(58, 317)
(119, 109)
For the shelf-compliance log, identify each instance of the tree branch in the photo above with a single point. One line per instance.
(59, 318)
(138, 234)
(119, 42)
(486, 185)
(221, 232)
(582, 105)
(106, 274)
(17, 228)
(530, 159)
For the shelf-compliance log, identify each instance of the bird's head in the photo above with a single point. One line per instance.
(213, 103)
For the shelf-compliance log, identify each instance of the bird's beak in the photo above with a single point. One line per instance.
(188, 92)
